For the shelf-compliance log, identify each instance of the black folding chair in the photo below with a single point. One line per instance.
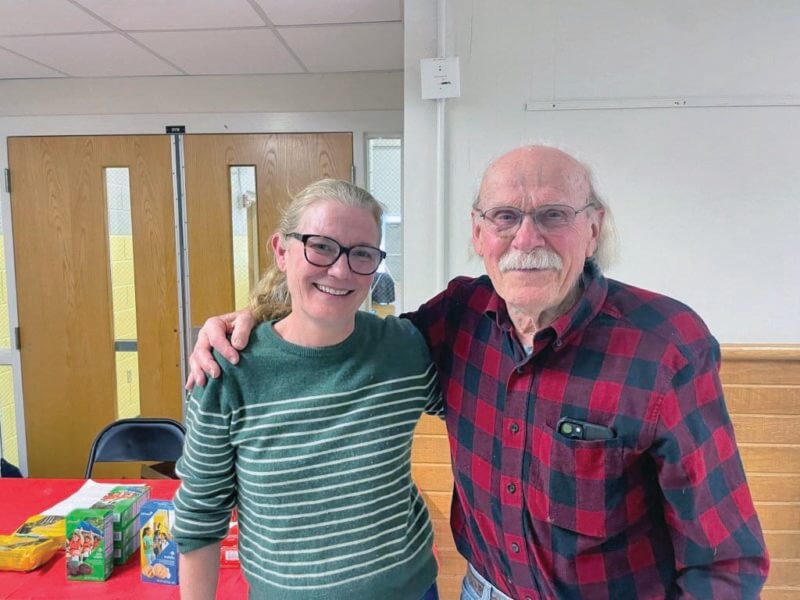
(140, 439)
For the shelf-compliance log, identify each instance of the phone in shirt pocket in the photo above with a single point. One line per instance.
(575, 429)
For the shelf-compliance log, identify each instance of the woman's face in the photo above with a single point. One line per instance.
(327, 296)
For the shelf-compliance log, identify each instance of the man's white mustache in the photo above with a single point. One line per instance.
(539, 258)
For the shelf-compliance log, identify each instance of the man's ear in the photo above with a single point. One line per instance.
(279, 250)
(477, 244)
(596, 223)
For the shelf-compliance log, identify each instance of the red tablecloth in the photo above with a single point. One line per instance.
(21, 498)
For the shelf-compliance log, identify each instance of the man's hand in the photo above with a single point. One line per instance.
(214, 334)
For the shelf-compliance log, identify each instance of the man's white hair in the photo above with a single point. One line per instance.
(606, 250)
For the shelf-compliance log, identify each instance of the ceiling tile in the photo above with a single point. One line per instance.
(26, 17)
(222, 52)
(309, 12)
(175, 14)
(16, 67)
(331, 48)
(90, 55)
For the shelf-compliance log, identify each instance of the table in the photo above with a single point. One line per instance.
(21, 498)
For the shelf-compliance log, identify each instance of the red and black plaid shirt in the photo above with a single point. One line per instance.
(662, 510)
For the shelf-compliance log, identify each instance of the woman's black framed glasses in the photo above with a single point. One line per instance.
(322, 251)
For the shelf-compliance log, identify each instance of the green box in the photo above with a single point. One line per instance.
(124, 501)
(123, 533)
(123, 551)
(90, 544)
(126, 540)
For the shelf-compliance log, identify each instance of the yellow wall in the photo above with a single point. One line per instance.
(8, 420)
(122, 289)
(241, 274)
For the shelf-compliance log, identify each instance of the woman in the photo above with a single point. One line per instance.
(310, 434)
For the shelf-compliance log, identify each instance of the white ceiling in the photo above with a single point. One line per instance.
(133, 38)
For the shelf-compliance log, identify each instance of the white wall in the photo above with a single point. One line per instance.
(707, 200)
(220, 94)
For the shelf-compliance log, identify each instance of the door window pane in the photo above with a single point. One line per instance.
(384, 181)
(244, 225)
(120, 242)
(5, 330)
(8, 417)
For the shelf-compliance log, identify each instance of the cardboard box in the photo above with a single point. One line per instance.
(124, 501)
(90, 544)
(123, 533)
(124, 550)
(229, 548)
(158, 550)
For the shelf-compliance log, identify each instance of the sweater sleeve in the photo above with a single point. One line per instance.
(207, 492)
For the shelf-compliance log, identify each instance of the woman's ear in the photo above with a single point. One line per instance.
(279, 250)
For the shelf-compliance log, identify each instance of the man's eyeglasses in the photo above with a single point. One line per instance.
(549, 217)
(323, 251)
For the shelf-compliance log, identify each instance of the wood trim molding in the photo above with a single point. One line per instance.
(761, 352)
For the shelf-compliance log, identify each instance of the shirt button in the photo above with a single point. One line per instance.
(513, 428)
(557, 344)
(520, 370)
(511, 488)
(515, 547)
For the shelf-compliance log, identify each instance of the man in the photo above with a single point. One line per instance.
(593, 454)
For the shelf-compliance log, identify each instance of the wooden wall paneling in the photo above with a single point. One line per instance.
(762, 390)
(764, 399)
(775, 487)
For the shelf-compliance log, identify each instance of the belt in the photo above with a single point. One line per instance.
(478, 583)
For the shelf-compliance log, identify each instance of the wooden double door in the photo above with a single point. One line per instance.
(63, 260)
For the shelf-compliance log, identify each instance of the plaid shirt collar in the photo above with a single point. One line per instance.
(561, 330)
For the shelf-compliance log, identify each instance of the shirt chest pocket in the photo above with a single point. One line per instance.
(578, 485)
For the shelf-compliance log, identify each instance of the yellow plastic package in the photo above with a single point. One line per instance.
(49, 526)
(22, 553)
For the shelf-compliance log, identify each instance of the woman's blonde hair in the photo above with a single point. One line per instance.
(270, 297)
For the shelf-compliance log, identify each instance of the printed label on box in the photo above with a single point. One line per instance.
(124, 501)
(90, 544)
(159, 552)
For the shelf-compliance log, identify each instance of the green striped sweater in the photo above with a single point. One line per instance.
(314, 446)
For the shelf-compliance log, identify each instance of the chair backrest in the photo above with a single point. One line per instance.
(140, 439)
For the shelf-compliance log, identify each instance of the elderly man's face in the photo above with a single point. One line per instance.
(525, 179)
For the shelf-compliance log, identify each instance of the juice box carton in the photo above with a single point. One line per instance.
(124, 501)
(90, 544)
(159, 552)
